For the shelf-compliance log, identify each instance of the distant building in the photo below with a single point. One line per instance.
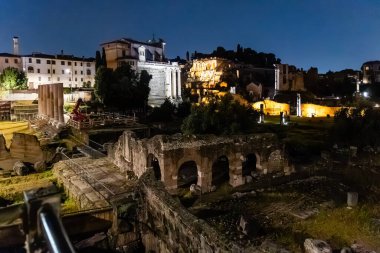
(149, 56)
(9, 60)
(371, 72)
(73, 72)
(288, 78)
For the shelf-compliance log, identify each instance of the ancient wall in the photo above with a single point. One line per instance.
(4, 153)
(133, 154)
(26, 147)
(175, 229)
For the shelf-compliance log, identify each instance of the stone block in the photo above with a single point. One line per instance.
(316, 246)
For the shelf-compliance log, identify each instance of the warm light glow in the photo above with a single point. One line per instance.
(310, 110)
(272, 107)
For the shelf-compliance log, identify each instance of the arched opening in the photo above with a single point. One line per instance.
(153, 162)
(249, 164)
(220, 171)
(187, 174)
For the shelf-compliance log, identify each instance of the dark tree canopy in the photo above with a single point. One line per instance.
(98, 60)
(220, 117)
(359, 127)
(12, 78)
(122, 88)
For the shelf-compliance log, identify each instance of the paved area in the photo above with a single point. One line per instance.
(92, 182)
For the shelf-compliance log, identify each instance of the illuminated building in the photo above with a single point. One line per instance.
(288, 78)
(9, 60)
(371, 72)
(204, 76)
(149, 56)
(73, 72)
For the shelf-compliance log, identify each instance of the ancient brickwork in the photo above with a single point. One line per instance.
(4, 153)
(26, 147)
(133, 154)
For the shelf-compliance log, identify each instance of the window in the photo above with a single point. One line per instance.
(70, 79)
(53, 62)
(81, 72)
(30, 60)
(76, 72)
(30, 69)
(88, 72)
(58, 79)
(38, 61)
(81, 63)
(76, 79)
(38, 71)
(49, 78)
(88, 64)
(47, 61)
(16, 61)
(75, 63)
(6, 60)
(123, 53)
(62, 62)
(81, 79)
(53, 71)
(49, 72)
(39, 78)
(63, 72)
(69, 63)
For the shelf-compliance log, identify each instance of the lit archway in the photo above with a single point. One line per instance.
(220, 171)
(153, 163)
(249, 164)
(187, 174)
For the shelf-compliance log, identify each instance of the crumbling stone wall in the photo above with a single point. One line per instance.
(175, 229)
(4, 153)
(133, 154)
(26, 147)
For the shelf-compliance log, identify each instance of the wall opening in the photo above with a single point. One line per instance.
(153, 162)
(187, 174)
(220, 171)
(249, 164)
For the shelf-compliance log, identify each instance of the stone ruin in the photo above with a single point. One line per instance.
(50, 103)
(167, 155)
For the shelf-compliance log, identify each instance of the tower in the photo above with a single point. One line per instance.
(16, 50)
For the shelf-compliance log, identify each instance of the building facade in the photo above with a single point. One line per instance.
(9, 61)
(288, 78)
(73, 72)
(149, 56)
(371, 72)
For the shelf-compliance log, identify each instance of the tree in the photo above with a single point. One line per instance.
(220, 117)
(187, 56)
(104, 59)
(98, 60)
(122, 88)
(12, 78)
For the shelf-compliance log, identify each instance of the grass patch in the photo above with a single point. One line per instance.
(12, 188)
(7, 128)
(69, 206)
(340, 227)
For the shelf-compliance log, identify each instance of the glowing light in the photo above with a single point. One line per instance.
(365, 94)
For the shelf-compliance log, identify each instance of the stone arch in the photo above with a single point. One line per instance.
(220, 170)
(187, 174)
(250, 163)
(153, 162)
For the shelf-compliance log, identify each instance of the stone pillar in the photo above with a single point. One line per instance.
(51, 101)
(55, 101)
(45, 98)
(172, 84)
(48, 100)
(39, 100)
(236, 171)
(179, 88)
(60, 102)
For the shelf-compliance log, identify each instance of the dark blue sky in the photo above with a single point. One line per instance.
(326, 34)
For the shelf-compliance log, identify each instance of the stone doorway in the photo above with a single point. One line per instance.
(153, 162)
(249, 164)
(187, 174)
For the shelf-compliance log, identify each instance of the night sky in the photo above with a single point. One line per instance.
(330, 35)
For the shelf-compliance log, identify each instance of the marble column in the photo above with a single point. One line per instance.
(51, 89)
(55, 99)
(172, 84)
(47, 90)
(178, 87)
(60, 102)
(39, 100)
